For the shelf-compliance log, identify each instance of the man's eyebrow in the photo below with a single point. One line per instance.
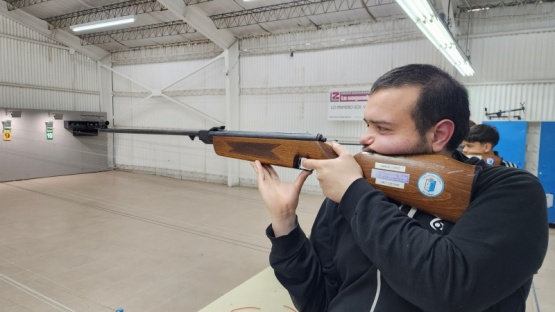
(376, 121)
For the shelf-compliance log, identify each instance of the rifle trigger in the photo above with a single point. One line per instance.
(300, 165)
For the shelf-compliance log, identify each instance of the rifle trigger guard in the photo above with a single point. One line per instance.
(300, 164)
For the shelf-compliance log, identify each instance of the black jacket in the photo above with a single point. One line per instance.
(368, 254)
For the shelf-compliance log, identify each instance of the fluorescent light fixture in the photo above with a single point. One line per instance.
(104, 23)
(426, 18)
(478, 9)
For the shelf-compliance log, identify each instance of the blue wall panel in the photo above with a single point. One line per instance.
(512, 140)
(546, 163)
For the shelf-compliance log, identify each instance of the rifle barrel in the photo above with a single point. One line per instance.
(206, 135)
(151, 131)
(273, 135)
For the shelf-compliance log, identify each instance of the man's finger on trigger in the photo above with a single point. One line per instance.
(302, 164)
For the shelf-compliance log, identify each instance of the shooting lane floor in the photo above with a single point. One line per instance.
(110, 240)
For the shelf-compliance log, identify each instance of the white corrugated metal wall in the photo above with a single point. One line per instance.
(514, 69)
(40, 77)
(174, 156)
(37, 73)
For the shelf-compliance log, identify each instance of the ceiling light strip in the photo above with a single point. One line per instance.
(103, 23)
(427, 20)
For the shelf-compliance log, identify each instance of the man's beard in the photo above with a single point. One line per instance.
(421, 147)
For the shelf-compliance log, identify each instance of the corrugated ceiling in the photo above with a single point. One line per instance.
(157, 24)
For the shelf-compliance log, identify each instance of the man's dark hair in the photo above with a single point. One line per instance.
(441, 97)
(483, 134)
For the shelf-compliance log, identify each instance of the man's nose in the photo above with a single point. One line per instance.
(367, 139)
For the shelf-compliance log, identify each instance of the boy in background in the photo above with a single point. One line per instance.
(480, 142)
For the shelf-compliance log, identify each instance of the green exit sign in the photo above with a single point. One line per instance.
(50, 133)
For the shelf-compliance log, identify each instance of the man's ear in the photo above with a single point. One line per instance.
(487, 147)
(442, 133)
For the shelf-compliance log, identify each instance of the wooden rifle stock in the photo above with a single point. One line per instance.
(435, 184)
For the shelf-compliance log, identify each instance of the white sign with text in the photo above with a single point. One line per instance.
(347, 104)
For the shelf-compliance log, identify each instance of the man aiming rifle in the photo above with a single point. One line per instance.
(367, 252)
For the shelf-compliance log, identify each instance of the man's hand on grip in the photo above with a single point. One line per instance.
(280, 198)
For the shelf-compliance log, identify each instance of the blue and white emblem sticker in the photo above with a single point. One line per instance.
(430, 184)
(490, 161)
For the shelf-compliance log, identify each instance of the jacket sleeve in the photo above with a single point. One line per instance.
(299, 270)
(494, 248)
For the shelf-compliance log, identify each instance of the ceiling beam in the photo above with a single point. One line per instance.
(172, 28)
(291, 10)
(18, 4)
(60, 36)
(199, 20)
(464, 6)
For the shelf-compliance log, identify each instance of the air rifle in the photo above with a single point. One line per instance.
(435, 184)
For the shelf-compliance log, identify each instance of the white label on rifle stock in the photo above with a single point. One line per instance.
(390, 167)
(390, 183)
(430, 184)
(390, 178)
